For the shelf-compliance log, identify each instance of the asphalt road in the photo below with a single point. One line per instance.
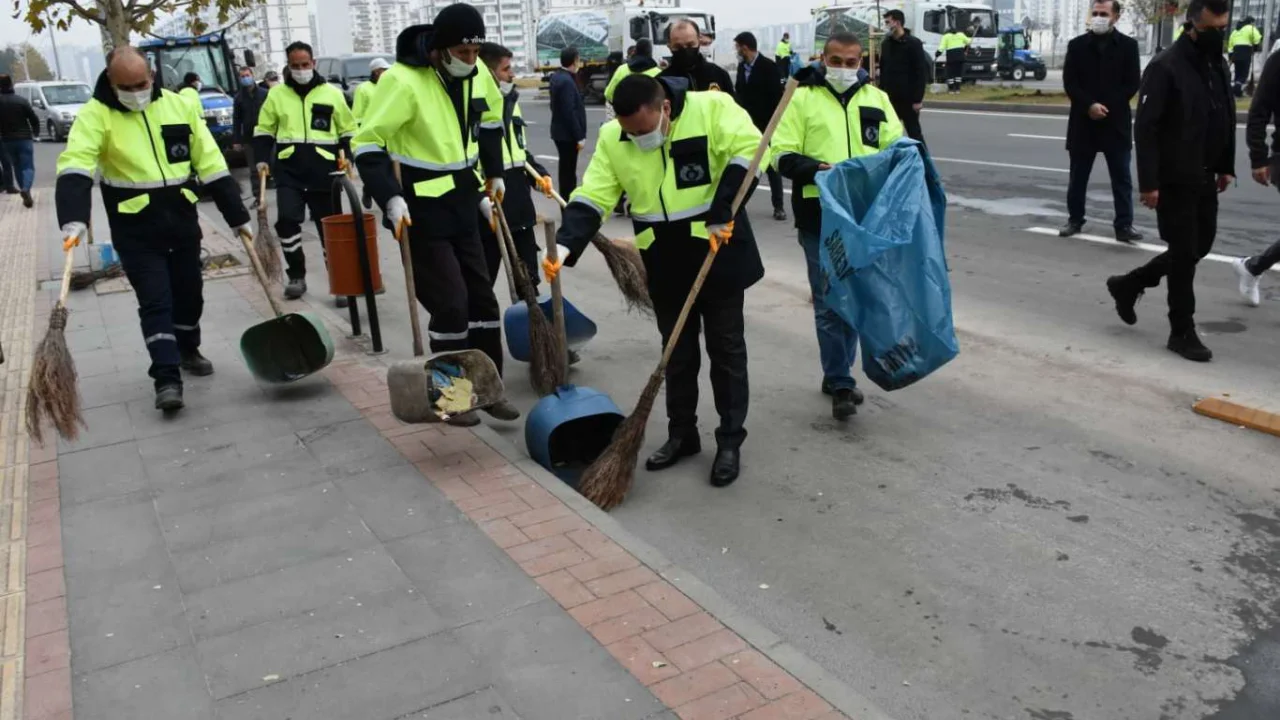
(1042, 529)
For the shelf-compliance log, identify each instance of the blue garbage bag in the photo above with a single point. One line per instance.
(883, 265)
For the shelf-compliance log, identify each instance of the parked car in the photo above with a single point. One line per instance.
(56, 104)
(347, 71)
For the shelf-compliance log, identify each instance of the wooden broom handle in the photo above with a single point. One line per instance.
(262, 188)
(557, 297)
(528, 167)
(258, 272)
(733, 212)
(410, 286)
(500, 219)
(67, 266)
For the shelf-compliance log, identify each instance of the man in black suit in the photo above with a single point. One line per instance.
(1101, 75)
(759, 88)
(568, 119)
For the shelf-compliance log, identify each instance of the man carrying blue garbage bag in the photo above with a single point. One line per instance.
(836, 114)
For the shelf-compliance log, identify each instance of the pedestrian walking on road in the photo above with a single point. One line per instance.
(758, 91)
(1185, 133)
(420, 116)
(18, 128)
(953, 47)
(904, 72)
(244, 120)
(782, 56)
(835, 115)
(144, 142)
(1101, 75)
(1244, 42)
(307, 123)
(680, 157)
(1263, 111)
(568, 119)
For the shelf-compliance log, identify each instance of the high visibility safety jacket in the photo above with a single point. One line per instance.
(517, 204)
(439, 129)
(308, 125)
(821, 126)
(674, 191)
(645, 65)
(145, 161)
(192, 96)
(360, 104)
(783, 50)
(954, 41)
(1247, 36)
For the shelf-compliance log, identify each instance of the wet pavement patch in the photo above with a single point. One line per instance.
(994, 496)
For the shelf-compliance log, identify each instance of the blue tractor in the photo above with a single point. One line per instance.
(209, 57)
(1015, 60)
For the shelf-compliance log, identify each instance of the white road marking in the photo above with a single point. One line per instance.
(1036, 137)
(994, 114)
(549, 158)
(1001, 165)
(1149, 247)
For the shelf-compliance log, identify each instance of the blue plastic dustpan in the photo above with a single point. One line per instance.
(578, 328)
(568, 429)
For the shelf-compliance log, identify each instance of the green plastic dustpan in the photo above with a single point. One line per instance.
(289, 346)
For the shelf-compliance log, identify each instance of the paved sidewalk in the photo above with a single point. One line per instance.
(298, 553)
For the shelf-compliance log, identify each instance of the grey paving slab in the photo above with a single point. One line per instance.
(106, 425)
(351, 448)
(89, 338)
(103, 472)
(188, 455)
(249, 470)
(293, 591)
(539, 647)
(487, 704)
(309, 404)
(124, 621)
(93, 363)
(382, 686)
(398, 502)
(118, 387)
(350, 628)
(483, 581)
(105, 540)
(267, 515)
(207, 405)
(166, 685)
(241, 558)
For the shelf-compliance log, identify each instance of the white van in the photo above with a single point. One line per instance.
(56, 104)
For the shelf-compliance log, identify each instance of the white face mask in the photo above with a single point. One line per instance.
(841, 79)
(1099, 25)
(302, 77)
(198, 85)
(136, 101)
(456, 67)
(651, 140)
(506, 87)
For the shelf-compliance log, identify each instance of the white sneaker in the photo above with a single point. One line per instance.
(1248, 282)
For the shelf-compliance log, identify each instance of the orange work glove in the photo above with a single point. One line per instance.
(544, 184)
(719, 235)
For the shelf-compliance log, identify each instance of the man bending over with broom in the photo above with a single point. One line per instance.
(147, 143)
(680, 157)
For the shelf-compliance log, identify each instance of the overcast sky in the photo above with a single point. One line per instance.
(729, 13)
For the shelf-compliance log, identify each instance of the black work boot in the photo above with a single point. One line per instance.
(779, 214)
(1071, 228)
(1187, 344)
(169, 398)
(673, 451)
(195, 363)
(1126, 298)
(843, 404)
(503, 410)
(295, 288)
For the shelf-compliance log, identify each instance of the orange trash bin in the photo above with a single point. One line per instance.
(343, 254)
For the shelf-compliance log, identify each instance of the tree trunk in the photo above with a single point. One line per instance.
(114, 24)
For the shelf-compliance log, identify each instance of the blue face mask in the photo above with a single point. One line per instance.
(246, 81)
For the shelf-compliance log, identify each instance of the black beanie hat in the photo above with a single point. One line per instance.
(457, 24)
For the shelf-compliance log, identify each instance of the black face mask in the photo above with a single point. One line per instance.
(1210, 40)
(686, 58)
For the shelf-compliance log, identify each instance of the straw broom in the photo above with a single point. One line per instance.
(266, 245)
(52, 392)
(547, 351)
(622, 258)
(608, 479)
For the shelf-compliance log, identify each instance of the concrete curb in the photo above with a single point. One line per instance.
(1020, 108)
(835, 691)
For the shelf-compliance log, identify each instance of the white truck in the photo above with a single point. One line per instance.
(928, 20)
(603, 31)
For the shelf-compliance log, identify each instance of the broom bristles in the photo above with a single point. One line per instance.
(627, 268)
(267, 247)
(607, 480)
(52, 392)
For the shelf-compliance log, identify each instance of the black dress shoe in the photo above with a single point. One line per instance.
(1126, 299)
(725, 469)
(1128, 235)
(1071, 228)
(858, 397)
(779, 214)
(672, 452)
(843, 404)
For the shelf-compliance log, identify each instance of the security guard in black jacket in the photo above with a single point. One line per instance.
(687, 60)
(146, 143)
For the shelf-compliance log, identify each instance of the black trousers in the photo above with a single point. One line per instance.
(717, 315)
(955, 70)
(568, 170)
(254, 186)
(526, 248)
(452, 280)
(1263, 262)
(292, 205)
(1188, 221)
(775, 188)
(1242, 59)
(1118, 161)
(910, 118)
(169, 287)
